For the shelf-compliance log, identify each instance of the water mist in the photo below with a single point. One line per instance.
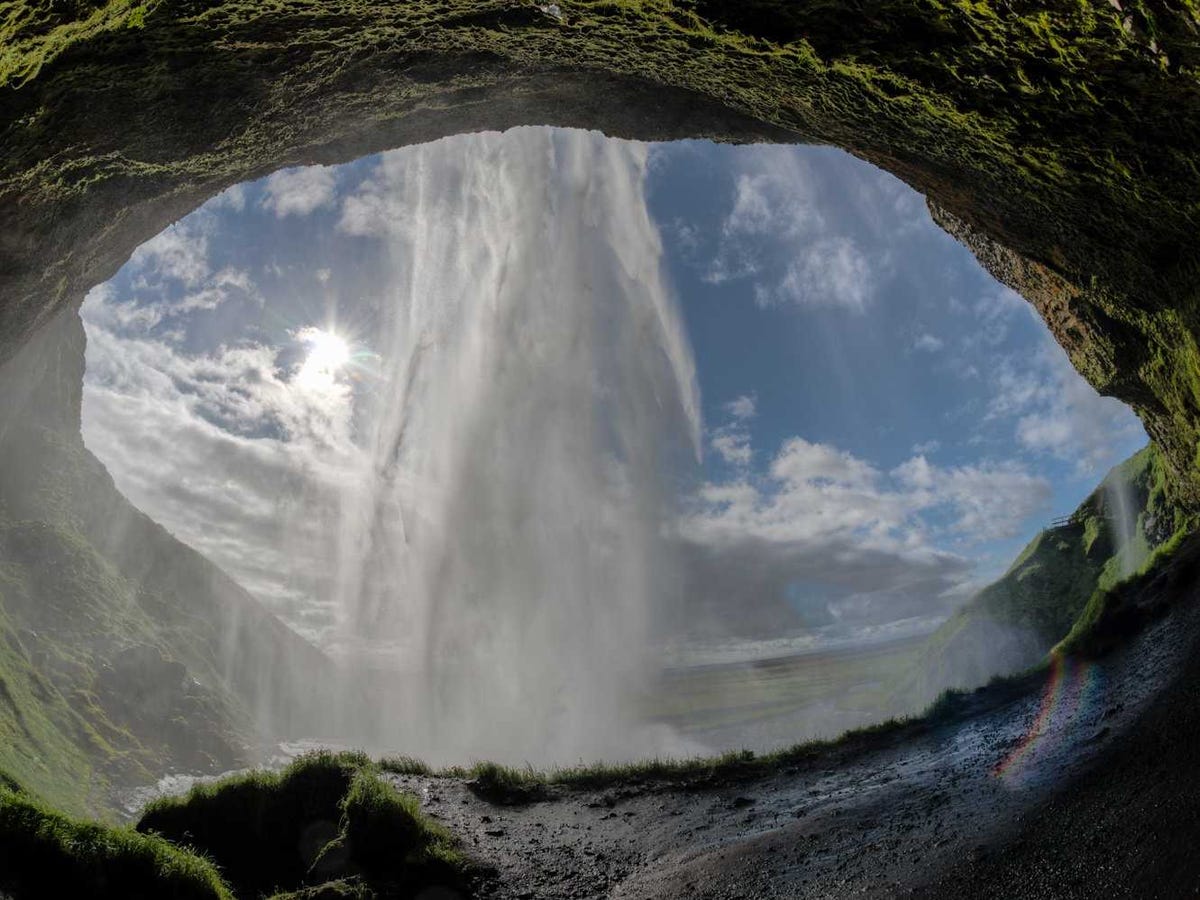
(1124, 515)
(500, 541)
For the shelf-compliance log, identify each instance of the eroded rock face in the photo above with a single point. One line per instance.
(1115, 356)
(1057, 140)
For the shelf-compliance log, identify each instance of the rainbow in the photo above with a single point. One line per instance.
(1072, 686)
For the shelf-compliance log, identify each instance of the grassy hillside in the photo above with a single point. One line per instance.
(1012, 623)
(123, 653)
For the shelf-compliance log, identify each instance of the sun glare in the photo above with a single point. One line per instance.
(328, 353)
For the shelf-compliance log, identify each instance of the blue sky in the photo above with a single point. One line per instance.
(882, 425)
(904, 347)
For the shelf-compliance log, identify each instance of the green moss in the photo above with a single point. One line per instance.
(44, 742)
(1052, 586)
(391, 842)
(326, 817)
(1115, 610)
(34, 34)
(46, 854)
(264, 829)
(81, 662)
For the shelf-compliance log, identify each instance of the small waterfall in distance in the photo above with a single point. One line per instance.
(1124, 515)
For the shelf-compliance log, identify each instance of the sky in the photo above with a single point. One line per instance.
(859, 427)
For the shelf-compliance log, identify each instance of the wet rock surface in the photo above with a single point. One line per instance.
(1081, 789)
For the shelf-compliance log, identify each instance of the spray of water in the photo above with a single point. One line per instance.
(1123, 513)
(500, 541)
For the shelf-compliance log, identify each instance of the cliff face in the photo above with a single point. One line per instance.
(125, 653)
(1013, 623)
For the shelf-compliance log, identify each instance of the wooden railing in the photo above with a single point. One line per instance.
(1063, 522)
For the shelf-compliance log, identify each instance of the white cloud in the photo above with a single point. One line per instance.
(241, 388)
(872, 544)
(928, 343)
(776, 200)
(867, 546)
(1057, 412)
(926, 447)
(686, 235)
(731, 441)
(215, 292)
(229, 448)
(990, 501)
(179, 253)
(301, 191)
(365, 212)
(744, 406)
(233, 198)
(993, 313)
(733, 446)
(829, 272)
(790, 242)
(103, 309)
(816, 492)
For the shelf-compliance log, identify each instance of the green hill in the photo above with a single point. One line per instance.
(123, 653)
(1012, 623)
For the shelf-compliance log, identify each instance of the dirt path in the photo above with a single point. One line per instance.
(1086, 788)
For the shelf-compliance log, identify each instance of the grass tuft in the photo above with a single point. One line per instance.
(389, 839)
(44, 853)
(404, 765)
(326, 818)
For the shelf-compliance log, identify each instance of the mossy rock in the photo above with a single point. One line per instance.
(44, 853)
(1056, 139)
(327, 825)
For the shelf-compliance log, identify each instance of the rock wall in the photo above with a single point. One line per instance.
(1056, 138)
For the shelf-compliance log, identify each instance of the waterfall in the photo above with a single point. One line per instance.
(1124, 520)
(501, 539)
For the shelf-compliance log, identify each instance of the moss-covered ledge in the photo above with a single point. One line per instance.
(1057, 138)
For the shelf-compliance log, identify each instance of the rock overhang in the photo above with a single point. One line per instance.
(1055, 142)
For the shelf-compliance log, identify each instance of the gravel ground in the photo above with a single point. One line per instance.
(1088, 787)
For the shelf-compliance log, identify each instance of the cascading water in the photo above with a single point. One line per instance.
(501, 532)
(1124, 514)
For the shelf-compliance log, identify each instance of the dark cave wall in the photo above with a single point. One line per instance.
(1056, 139)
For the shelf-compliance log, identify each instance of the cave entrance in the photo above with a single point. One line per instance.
(570, 447)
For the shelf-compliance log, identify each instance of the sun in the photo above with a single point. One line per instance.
(328, 354)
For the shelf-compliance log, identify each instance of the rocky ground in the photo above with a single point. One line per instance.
(1086, 788)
